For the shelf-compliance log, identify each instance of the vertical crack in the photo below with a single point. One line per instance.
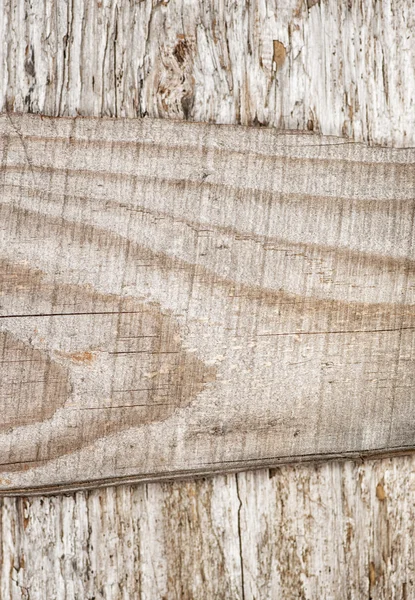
(240, 537)
(115, 62)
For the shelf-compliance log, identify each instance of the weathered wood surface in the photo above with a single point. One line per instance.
(326, 531)
(340, 530)
(188, 298)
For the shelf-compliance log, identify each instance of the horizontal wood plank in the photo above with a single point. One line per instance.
(184, 298)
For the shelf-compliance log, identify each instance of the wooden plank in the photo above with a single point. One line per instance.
(316, 529)
(184, 298)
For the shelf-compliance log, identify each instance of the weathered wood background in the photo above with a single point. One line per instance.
(331, 531)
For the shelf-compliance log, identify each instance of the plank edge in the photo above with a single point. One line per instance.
(223, 468)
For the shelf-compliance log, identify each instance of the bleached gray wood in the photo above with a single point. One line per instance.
(188, 298)
(336, 537)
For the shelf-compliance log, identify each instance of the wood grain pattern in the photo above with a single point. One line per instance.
(294, 532)
(183, 298)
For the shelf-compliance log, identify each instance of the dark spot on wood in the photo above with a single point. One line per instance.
(29, 63)
(187, 105)
(29, 101)
(181, 51)
(311, 3)
(273, 472)
(257, 123)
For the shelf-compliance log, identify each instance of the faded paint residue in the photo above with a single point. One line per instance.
(280, 54)
(85, 357)
(380, 492)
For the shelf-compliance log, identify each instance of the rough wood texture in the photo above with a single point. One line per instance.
(340, 530)
(188, 298)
